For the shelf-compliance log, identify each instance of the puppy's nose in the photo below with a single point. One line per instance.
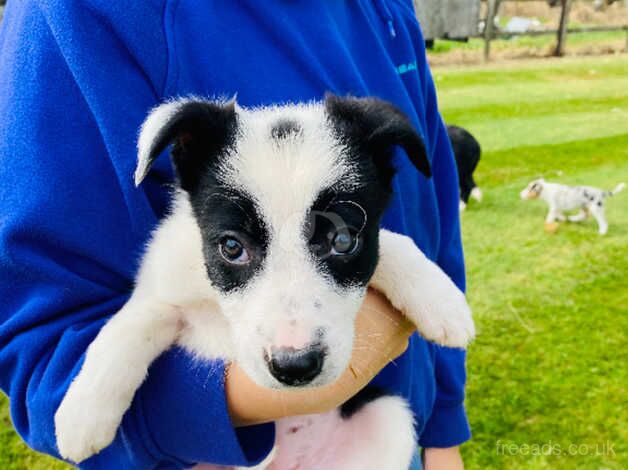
(296, 367)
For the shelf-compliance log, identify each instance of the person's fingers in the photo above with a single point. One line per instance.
(377, 313)
(383, 327)
(381, 335)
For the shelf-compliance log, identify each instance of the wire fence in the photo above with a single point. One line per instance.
(491, 32)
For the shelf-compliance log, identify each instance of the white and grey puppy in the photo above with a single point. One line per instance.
(561, 198)
(265, 259)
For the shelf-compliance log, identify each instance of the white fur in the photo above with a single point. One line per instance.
(619, 188)
(560, 198)
(174, 301)
(253, 167)
(150, 129)
(476, 193)
(422, 291)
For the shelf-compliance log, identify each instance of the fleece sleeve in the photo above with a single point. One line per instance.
(73, 90)
(448, 425)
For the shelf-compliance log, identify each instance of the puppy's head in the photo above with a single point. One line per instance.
(533, 190)
(288, 200)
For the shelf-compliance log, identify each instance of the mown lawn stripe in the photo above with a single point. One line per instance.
(540, 108)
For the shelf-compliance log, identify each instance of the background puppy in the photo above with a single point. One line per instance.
(467, 151)
(560, 198)
(265, 260)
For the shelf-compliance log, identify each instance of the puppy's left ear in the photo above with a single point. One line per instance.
(374, 127)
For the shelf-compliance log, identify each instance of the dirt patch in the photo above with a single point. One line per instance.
(466, 57)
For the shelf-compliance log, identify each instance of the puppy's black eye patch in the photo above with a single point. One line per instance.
(343, 238)
(328, 234)
(226, 216)
(345, 215)
(351, 212)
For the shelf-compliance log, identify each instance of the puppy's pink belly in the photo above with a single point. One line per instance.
(380, 435)
(302, 441)
(325, 441)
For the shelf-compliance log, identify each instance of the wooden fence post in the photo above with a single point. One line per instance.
(562, 29)
(488, 27)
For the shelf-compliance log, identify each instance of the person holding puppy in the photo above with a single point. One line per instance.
(76, 81)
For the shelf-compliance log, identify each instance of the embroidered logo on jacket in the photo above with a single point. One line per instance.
(405, 68)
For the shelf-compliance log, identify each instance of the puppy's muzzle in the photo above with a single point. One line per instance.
(296, 367)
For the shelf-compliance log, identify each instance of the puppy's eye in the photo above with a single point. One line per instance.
(233, 251)
(344, 243)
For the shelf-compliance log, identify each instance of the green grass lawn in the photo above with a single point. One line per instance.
(549, 365)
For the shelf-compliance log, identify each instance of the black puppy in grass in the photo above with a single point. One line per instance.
(467, 151)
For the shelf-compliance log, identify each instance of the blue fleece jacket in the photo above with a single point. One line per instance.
(76, 81)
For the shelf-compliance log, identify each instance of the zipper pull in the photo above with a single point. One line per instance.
(391, 29)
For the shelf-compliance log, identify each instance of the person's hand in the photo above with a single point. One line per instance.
(381, 335)
(443, 459)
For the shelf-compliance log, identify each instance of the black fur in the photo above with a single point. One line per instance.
(220, 212)
(365, 396)
(200, 131)
(371, 128)
(203, 131)
(467, 151)
(285, 128)
(357, 213)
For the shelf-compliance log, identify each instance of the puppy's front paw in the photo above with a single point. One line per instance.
(446, 321)
(422, 292)
(86, 422)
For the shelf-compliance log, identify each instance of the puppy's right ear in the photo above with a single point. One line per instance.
(374, 127)
(199, 130)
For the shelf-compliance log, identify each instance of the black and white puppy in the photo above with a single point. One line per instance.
(560, 198)
(265, 259)
(467, 151)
